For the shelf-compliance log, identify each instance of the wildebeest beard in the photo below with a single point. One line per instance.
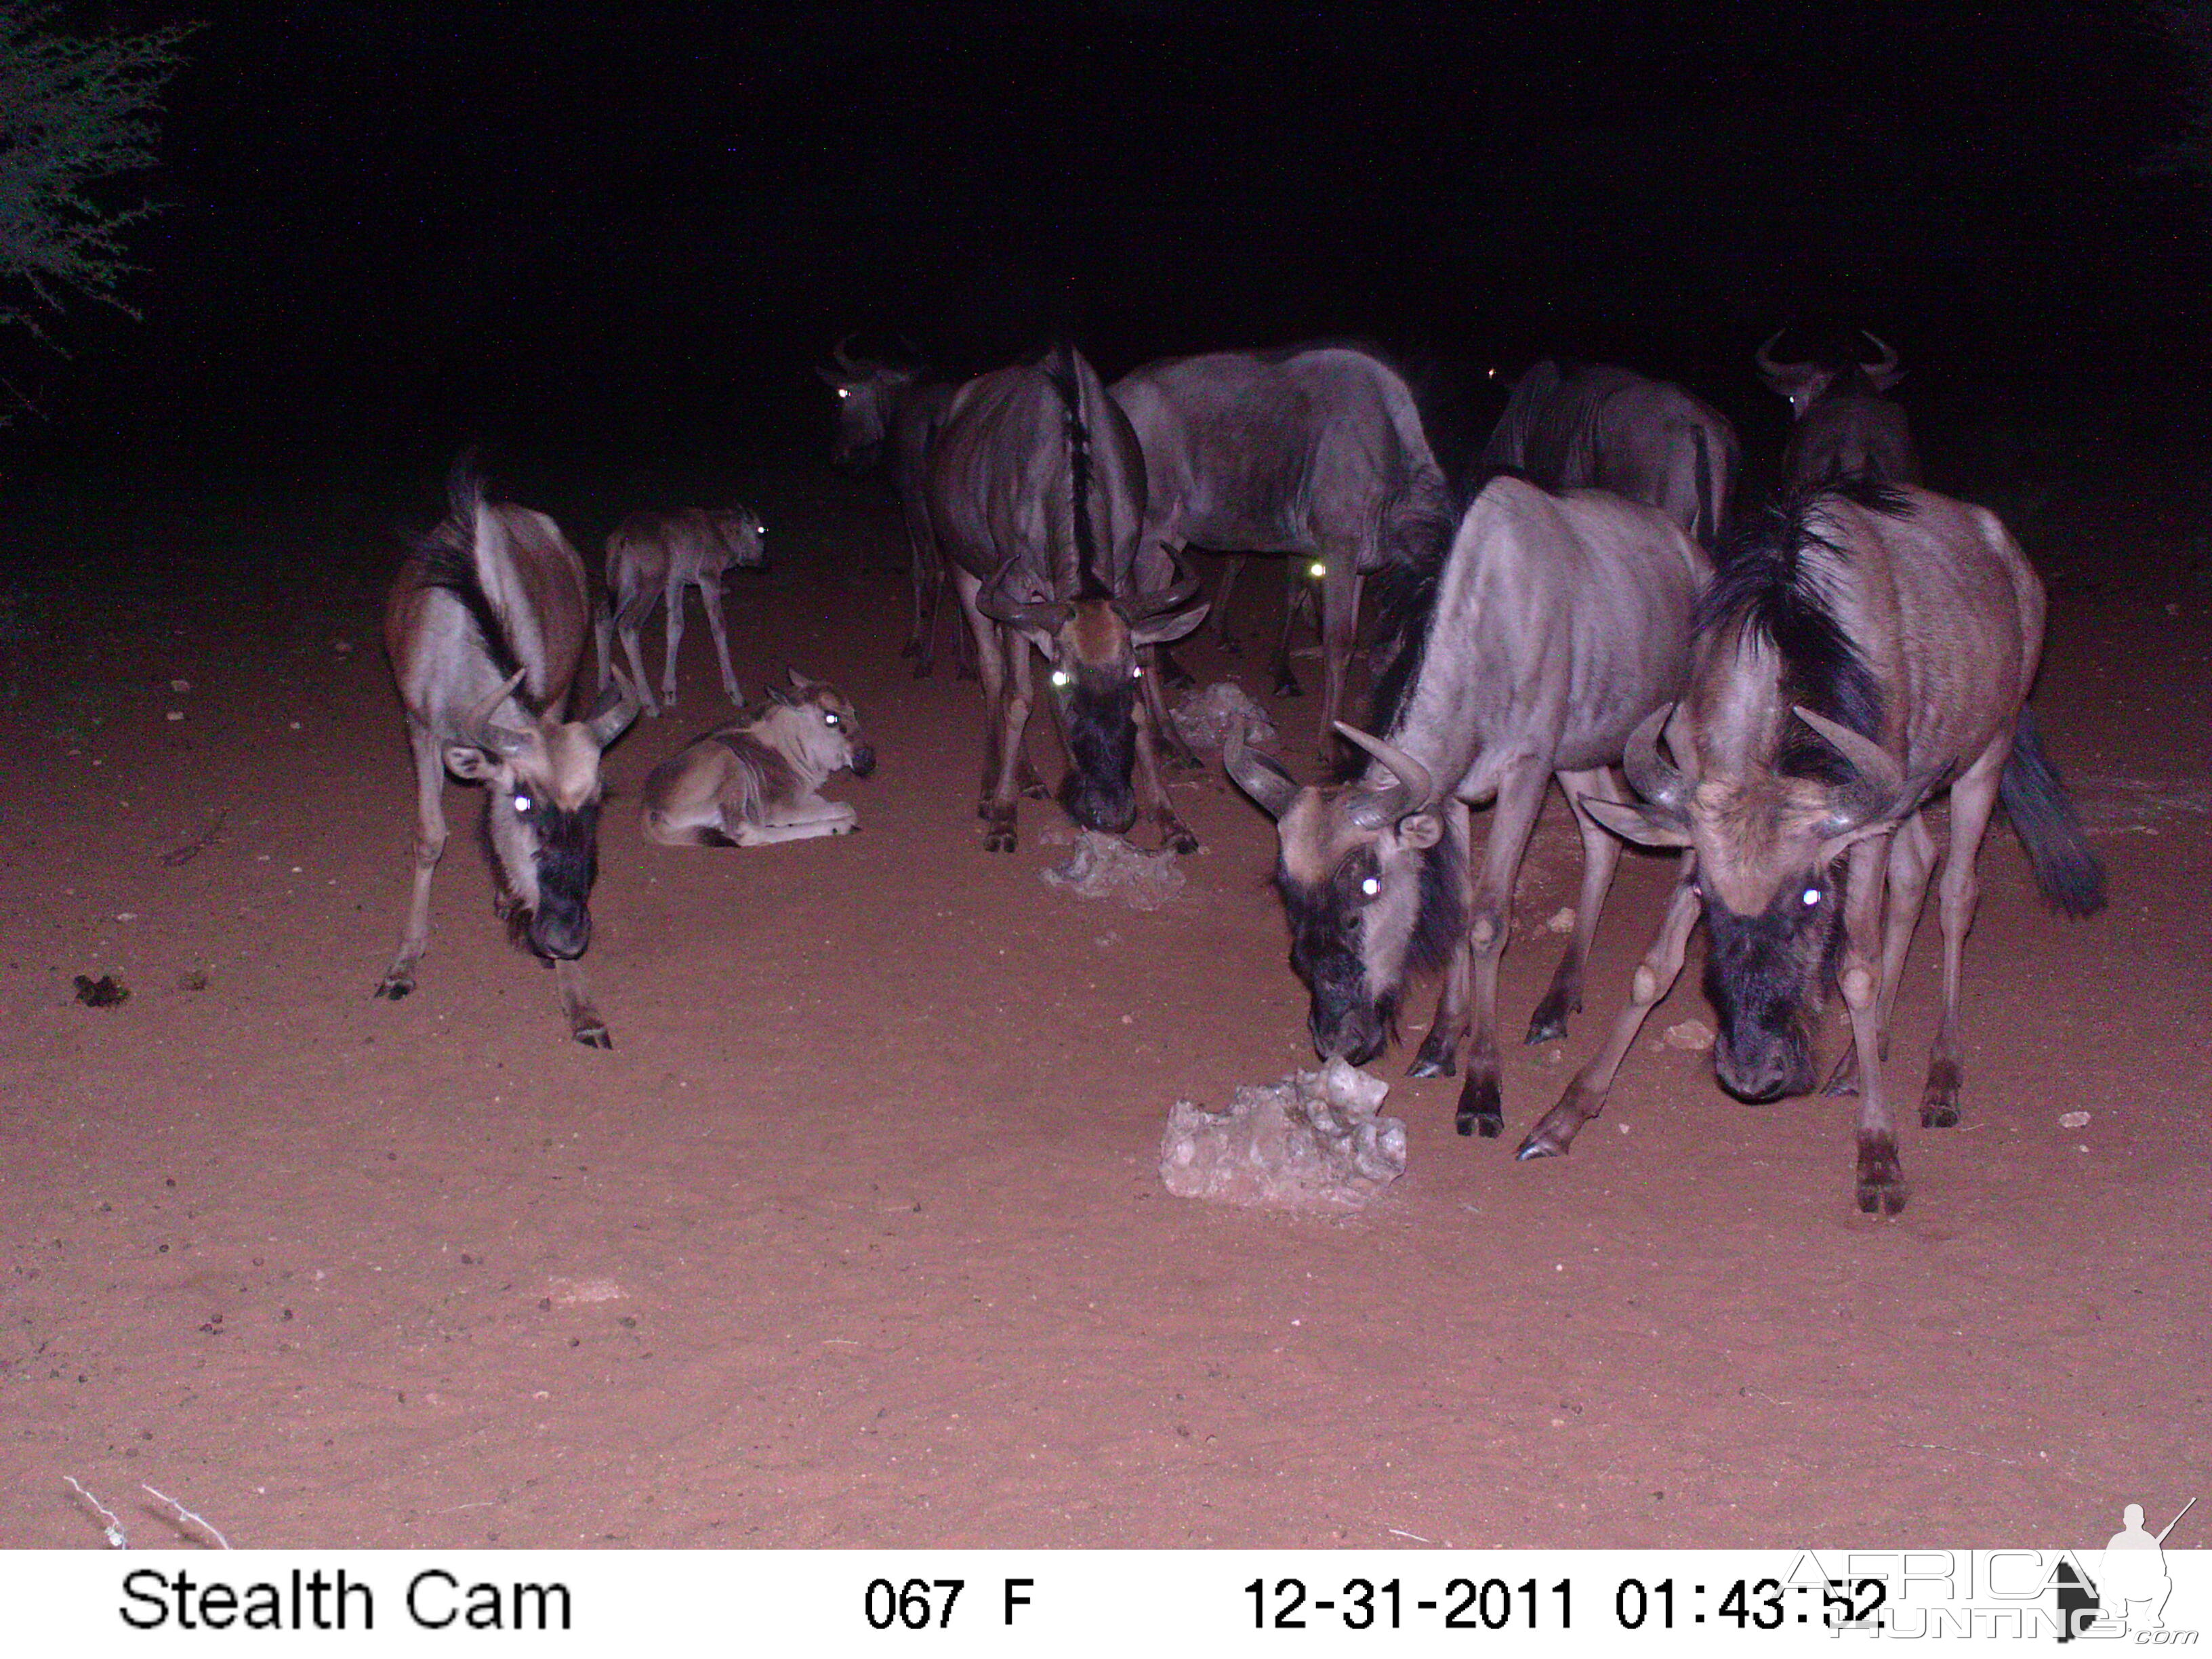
(567, 858)
(1766, 976)
(1102, 746)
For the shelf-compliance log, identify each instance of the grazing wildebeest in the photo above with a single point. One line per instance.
(1314, 451)
(651, 558)
(758, 779)
(1845, 428)
(485, 628)
(1036, 489)
(1869, 649)
(1594, 427)
(1554, 626)
(889, 414)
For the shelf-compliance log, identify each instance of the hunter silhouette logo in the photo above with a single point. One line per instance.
(2129, 1593)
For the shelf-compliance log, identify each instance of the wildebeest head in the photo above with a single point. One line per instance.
(830, 738)
(1368, 883)
(1805, 383)
(541, 808)
(743, 538)
(1090, 645)
(1768, 846)
(867, 391)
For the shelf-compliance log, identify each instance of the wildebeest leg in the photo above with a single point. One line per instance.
(1912, 856)
(1600, 858)
(1973, 797)
(1231, 569)
(925, 573)
(1013, 726)
(992, 667)
(429, 848)
(1286, 682)
(710, 596)
(675, 598)
(1554, 1133)
(1489, 920)
(1435, 1058)
(1340, 625)
(629, 623)
(1179, 753)
(1152, 794)
(584, 1022)
(1882, 1185)
(802, 820)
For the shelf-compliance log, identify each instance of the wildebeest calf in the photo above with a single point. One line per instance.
(651, 558)
(757, 779)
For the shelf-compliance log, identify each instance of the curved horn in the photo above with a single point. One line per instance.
(475, 723)
(1876, 790)
(1784, 378)
(1885, 373)
(1180, 592)
(1049, 615)
(841, 354)
(1257, 776)
(617, 707)
(1663, 786)
(1414, 792)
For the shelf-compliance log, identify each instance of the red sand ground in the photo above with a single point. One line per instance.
(856, 1236)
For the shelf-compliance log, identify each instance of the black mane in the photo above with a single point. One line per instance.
(1766, 589)
(445, 557)
(1060, 369)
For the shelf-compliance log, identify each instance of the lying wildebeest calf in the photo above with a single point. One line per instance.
(1554, 625)
(485, 630)
(1870, 648)
(758, 779)
(651, 558)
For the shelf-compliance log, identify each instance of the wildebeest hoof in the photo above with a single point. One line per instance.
(1882, 1186)
(923, 669)
(1435, 1058)
(1178, 839)
(1546, 1024)
(1287, 686)
(1845, 1080)
(1035, 789)
(593, 1035)
(1540, 1143)
(392, 988)
(999, 839)
(1939, 1104)
(1481, 1107)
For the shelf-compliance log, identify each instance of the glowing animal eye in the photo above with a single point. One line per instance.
(1811, 895)
(844, 392)
(829, 719)
(1316, 570)
(522, 803)
(1138, 673)
(1370, 886)
(1059, 677)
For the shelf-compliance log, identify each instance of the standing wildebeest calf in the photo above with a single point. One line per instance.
(1554, 625)
(1845, 427)
(1594, 426)
(1867, 650)
(758, 779)
(1036, 489)
(485, 628)
(891, 413)
(1316, 451)
(651, 558)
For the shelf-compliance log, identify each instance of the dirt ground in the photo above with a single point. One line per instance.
(857, 1238)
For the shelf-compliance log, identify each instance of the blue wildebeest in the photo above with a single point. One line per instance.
(889, 415)
(651, 558)
(1035, 488)
(485, 627)
(1866, 650)
(758, 781)
(1845, 428)
(1594, 427)
(1316, 451)
(1554, 626)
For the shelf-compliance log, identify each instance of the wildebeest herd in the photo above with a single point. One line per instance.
(1787, 689)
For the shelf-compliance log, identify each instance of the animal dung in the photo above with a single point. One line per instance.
(1205, 720)
(1314, 1142)
(106, 991)
(1106, 866)
(1692, 1036)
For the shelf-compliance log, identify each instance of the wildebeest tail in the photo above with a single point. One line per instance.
(1064, 369)
(1708, 527)
(446, 559)
(2066, 873)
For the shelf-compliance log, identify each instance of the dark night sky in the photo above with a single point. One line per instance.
(397, 227)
